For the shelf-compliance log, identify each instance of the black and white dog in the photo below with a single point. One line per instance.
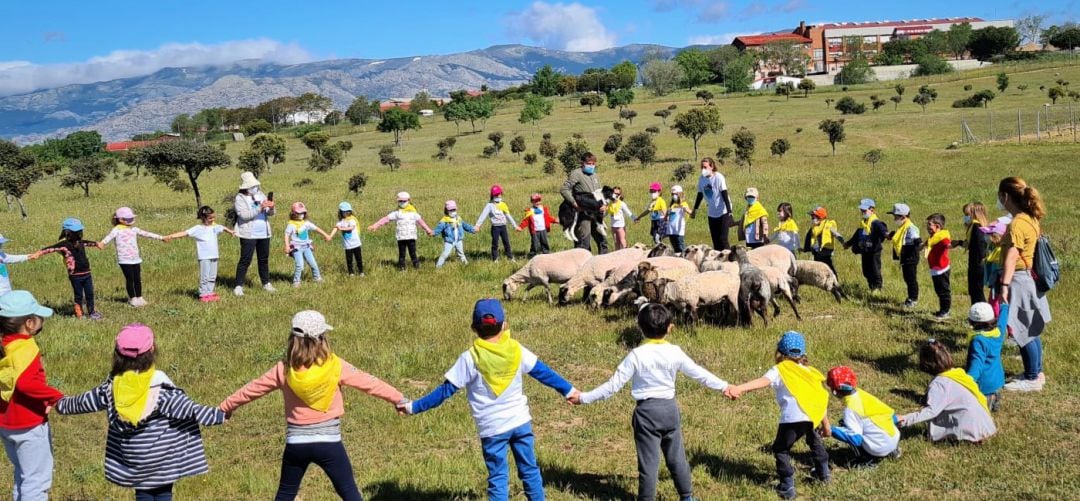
(590, 211)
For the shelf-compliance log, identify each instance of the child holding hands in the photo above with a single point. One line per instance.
(955, 407)
(405, 219)
(869, 425)
(6, 259)
(127, 236)
(206, 250)
(298, 242)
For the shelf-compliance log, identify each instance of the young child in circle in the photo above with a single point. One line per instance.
(206, 250)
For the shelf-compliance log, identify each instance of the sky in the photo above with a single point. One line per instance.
(45, 44)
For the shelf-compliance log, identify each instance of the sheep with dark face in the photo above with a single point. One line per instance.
(544, 270)
(626, 287)
(596, 268)
(782, 285)
(755, 291)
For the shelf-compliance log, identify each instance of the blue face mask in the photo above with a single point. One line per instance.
(750, 200)
(967, 220)
(589, 169)
(866, 215)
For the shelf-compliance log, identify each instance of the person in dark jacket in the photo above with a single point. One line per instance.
(866, 242)
(906, 243)
(580, 181)
(977, 246)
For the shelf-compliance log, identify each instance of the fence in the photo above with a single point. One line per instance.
(1045, 123)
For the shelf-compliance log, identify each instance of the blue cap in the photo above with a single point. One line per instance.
(488, 311)
(3, 240)
(867, 203)
(72, 224)
(344, 207)
(792, 344)
(20, 304)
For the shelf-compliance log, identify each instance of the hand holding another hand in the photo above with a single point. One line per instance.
(403, 407)
(574, 398)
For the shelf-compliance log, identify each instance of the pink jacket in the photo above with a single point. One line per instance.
(296, 412)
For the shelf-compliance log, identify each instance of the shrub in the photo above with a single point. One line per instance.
(612, 144)
(387, 158)
(779, 147)
(874, 156)
(618, 126)
(357, 183)
(848, 106)
(303, 182)
(652, 129)
(967, 87)
(979, 99)
(930, 64)
(638, 147)
(305, 129)
(682, 172)
(530, 158)
(549, 167)
(571, 153)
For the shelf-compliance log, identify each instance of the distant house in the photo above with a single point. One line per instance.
(306, 117)
(394, 103)
(130, 145)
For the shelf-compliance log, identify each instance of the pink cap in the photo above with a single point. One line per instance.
(125, 213)
(299, 207)
(656, 187)
(536, 197)
(496, 190)
(451, 205)
(134, 340)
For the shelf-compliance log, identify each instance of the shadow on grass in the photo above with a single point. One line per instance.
(253, 280)
(393, 491)
(720, 467)
(890, 364)
(589, 485)
(630, 337)
(914, 396)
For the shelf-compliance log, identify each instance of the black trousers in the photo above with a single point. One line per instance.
(871, 269)
(825, 256)
(911, 279)
(500, 233)
(719, 229)
(83, 288)
(787, 434)
(943, 290)
(540, 243)
(330, 456)
(402, 247)
(250, 247)
(132, 279)
(976, 277)
(357, 256)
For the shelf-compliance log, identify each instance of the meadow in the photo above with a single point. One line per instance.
(408, 327)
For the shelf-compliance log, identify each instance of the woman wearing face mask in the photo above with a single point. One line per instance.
(253, 211)
(712, 187)
(977, 245)
(755, 222)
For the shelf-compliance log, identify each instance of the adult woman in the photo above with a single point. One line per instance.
(1029, 312)
(253, 210)
(712, 187)
(976, 244)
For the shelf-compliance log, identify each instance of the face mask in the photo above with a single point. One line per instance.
(589, 169)
(617, 196)
(497, 199)
(897, 219)
(403, 204)
(654, 195)
(866, 215)
(452, 214)
(750, 200)
(675, 197)
(967, 220)
(1000, 206)
(815, 220)
(706, 172)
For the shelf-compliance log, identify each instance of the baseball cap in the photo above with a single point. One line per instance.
(900, 210)
(656, 187)
(20, 304)
(496, 190)
(403, 196)
(299, 208)
(792, 344)
(125, 213)
(309, 323)
(751, 192)
(867, 203)
(344, 207)
(818, 212)
(981, 312)
(451, 205)
(134, 340)
(841, 378)
(535, 197)
(676, 189)
(488, 311)
(72, 224)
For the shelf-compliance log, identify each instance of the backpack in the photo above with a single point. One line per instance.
(1045, 270)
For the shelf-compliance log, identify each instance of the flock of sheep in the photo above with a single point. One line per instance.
(734, 283)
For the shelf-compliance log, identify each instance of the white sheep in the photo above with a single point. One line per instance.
(768, 255)
(593, 271)
(818, 275)
(667, 266)
(784, 285)
(702, 289)
(611, 281)
(650, 271)
(544, 270)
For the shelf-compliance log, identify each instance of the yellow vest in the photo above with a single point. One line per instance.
(18, 355)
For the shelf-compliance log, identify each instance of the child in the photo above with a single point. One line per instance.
(25, 396)
(869, 425)
(298, 242)
(803, 400)
(538, 219)
(906, 242)
(6, 259)
(405, 219)
(153, 438)
(349, 227)
(127, 252)
(500, 215)
(787, 232)
(73, 248)
(821, 236)
(995, 260)
(452, 230)
(675, 220)
(955, 407)
(491, 372)
(619, 212)
(938, 260)
(310, 378)
(984, 353)
(206, 250)
(866, 242)
(652, 368)
(755, 222)
(656, 210)
(976, 244)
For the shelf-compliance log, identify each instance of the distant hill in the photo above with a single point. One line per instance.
(120, 108)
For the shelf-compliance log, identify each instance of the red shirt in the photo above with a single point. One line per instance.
(527, 221)
(939, 257)
(32, 394)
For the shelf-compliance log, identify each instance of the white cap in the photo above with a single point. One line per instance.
(981, 312)
(751, 192)
(309, 323)
(403, 195)
(676, 189)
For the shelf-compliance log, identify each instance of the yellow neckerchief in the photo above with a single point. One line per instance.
(992, 333)
(898, 237)
(787, 225)
(753, 213)
(868, 406)
(122, 227)
(18, 355)
(297, 224)
(868, 224)
(130, 392)
(316, 385)
(807, 385)
(530, 212)
(353, 220)
(451, 220)
(658, 205)
(995, 256)
(963, 379)
(936, 238)
(408, 208)
(505, 209)
(497, 362)
(678, 205)
(614, 207)
(654, 341)
(822, 233)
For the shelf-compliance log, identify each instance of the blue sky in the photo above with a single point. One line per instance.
(47, 43)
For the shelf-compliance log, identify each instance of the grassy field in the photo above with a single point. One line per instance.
(407, 328)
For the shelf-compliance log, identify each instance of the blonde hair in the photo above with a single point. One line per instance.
(1025, 197)
(302, 351)
(977, 211)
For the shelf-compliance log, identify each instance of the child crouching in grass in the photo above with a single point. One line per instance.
(491, 373)
(153, 438)
(652, 368)
(869, 426)
(955, 407)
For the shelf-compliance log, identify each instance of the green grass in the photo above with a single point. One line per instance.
(407, 328)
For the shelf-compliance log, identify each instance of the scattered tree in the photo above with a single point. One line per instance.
(1055, 93)
(663, 114)
(547, 148)
(981, 98)
(316, 141)
(387, 158)
(638, 147)
(662, 76)
(517, 145)
(612, 144)
(18, 171)
(535, 109)
(1002, 82)
(249, 161)
(446, 147)
(877, 102)
(496, 139)
(899, 88)
(618, 126)
(463, 107)
(398, 121)
(873, 156)
(545, 81)
(530, 158)
(848, 106)
(922, 99)
(257, 126)
(620, 98)
(896, 101)
(628, 115)
(695, 123)
(968, 87)
(270, 149)
(1022, 88)
(807, 85)
(957, 39)
(682, 172)
(329, 156)
(829, 101)
(571, 154)
(834, 130)
(785, 89)
(779, 147)
(745, 143)
(705, 95)
(928, 90)
(723, 154)
(361, 111)
(624, 74)
(591, 100)
(652, 129)
(357, 184)
(167, 160)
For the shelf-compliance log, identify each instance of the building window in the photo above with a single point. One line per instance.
(870, 39)
(819, 54)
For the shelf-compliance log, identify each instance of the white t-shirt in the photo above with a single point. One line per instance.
(651, 370)
(206, 240)
(876, 441)
(493, 415)
(619, 211)
(350, 234)
(712, 188)
(676, 219)
(299, 235)
(538, 222)
(405, 224)
(790, 412)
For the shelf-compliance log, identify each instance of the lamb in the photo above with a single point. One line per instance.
(544, 270)
(703, 289)
(754, 291)
(610, 283)
(782, 284)
(666, 266)
(818, 275)
(596, 268)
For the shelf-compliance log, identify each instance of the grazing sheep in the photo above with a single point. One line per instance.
(660, 249)
(596, 268)
(700, 290)
(818, 275)
(669, 267)
(544, 270)
(754, 292)
(769, 255)
(611, 281)
(784, 285)
(651, 270)
(700, 253)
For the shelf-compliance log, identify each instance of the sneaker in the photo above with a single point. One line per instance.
(941, 316)
(362, 275)
(910, 304)
(822, 476)
(1025, 385)
(896, 453)
(318, 280)
(96, 315)
(1042, 378)
(205, 298)
(993, 401)
(269, 287)
(238, 291)
(133, 303)
(213, 298)
(296, 285)
(140, 302)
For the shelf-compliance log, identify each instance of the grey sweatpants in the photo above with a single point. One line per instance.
(207, 276)
(657, 427)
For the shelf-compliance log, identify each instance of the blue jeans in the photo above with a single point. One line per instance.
(30, 453)
(1031, 354)
(520, 442)
(448, 247)
(301, 255)
(162, 493)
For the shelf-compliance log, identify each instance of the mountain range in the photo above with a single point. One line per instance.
(120, 108)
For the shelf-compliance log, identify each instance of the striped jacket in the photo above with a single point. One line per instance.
(163, 447)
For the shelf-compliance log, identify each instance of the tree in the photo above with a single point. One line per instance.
(662, 76)
(922, 99)
(463, 107)
(183, 124)
(929, 91)
(695, 123)
(620, 98)
(981, 98)
(270, 148)
(422, 101)
(547, 147)
(899, 88)
(1068, 38)
(446, 147)
(567, 85)
(535, 109)
(387, 158)
(612, 144)
(848, 106)
(1002, 82)
(257, 126)
(1030, 27)
(834, 130)
(397, 120)
(545, 81)
(896, 101)
(695, 67)
(663, 114)
(571, 153)
(779, 147)
(806, 85)
(856, 71)
(790, 57)
(877, 102)
(936, 42)
(1022, 88)
(316, 141)
(873, 156)
(618, 126)
(249, 161)
(628, 115)
(310, 101)
(517, 145)
(957, 39)
(745, 142)
(596, 80)
(361, 110)
(739, 73)
(166, 161)
(496, 139)
(81, 144)
(591, 100)
(991, 41)
(785, 89)
(624, 75)
(1055, 93)
(704, 95)
(931, 64)
(638, 147)
(530, 158)
(18, 171)
(357, 184)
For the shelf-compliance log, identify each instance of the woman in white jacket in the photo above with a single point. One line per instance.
(253, 210)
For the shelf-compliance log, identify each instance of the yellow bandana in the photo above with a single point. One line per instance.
(788, 225)
(654, 341)
(963, 379)
(898, 237)
(408, 208)
(451, 220)
(316, 385)
(122, 227)
(753, 213)
(936, 238)
(614, 207)
(658, 205)
(505, 209)
(497, 362)
(807, 385)
(130, 392)
(868, 406)
(18, 355)
(992, 333)
(822, 233)
(996, 256)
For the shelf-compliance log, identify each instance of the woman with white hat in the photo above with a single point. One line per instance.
(253, 210)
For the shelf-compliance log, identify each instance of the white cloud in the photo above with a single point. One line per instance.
(722, 39)
(570, 26)
(21, 76)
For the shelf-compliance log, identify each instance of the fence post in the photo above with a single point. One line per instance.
(1038, 125)
(991, 124)
(1019, 128)
(1072, 121)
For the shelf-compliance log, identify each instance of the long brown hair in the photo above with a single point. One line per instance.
(711, 162)
(977, 211)
(302, 351)
(1025, 197)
